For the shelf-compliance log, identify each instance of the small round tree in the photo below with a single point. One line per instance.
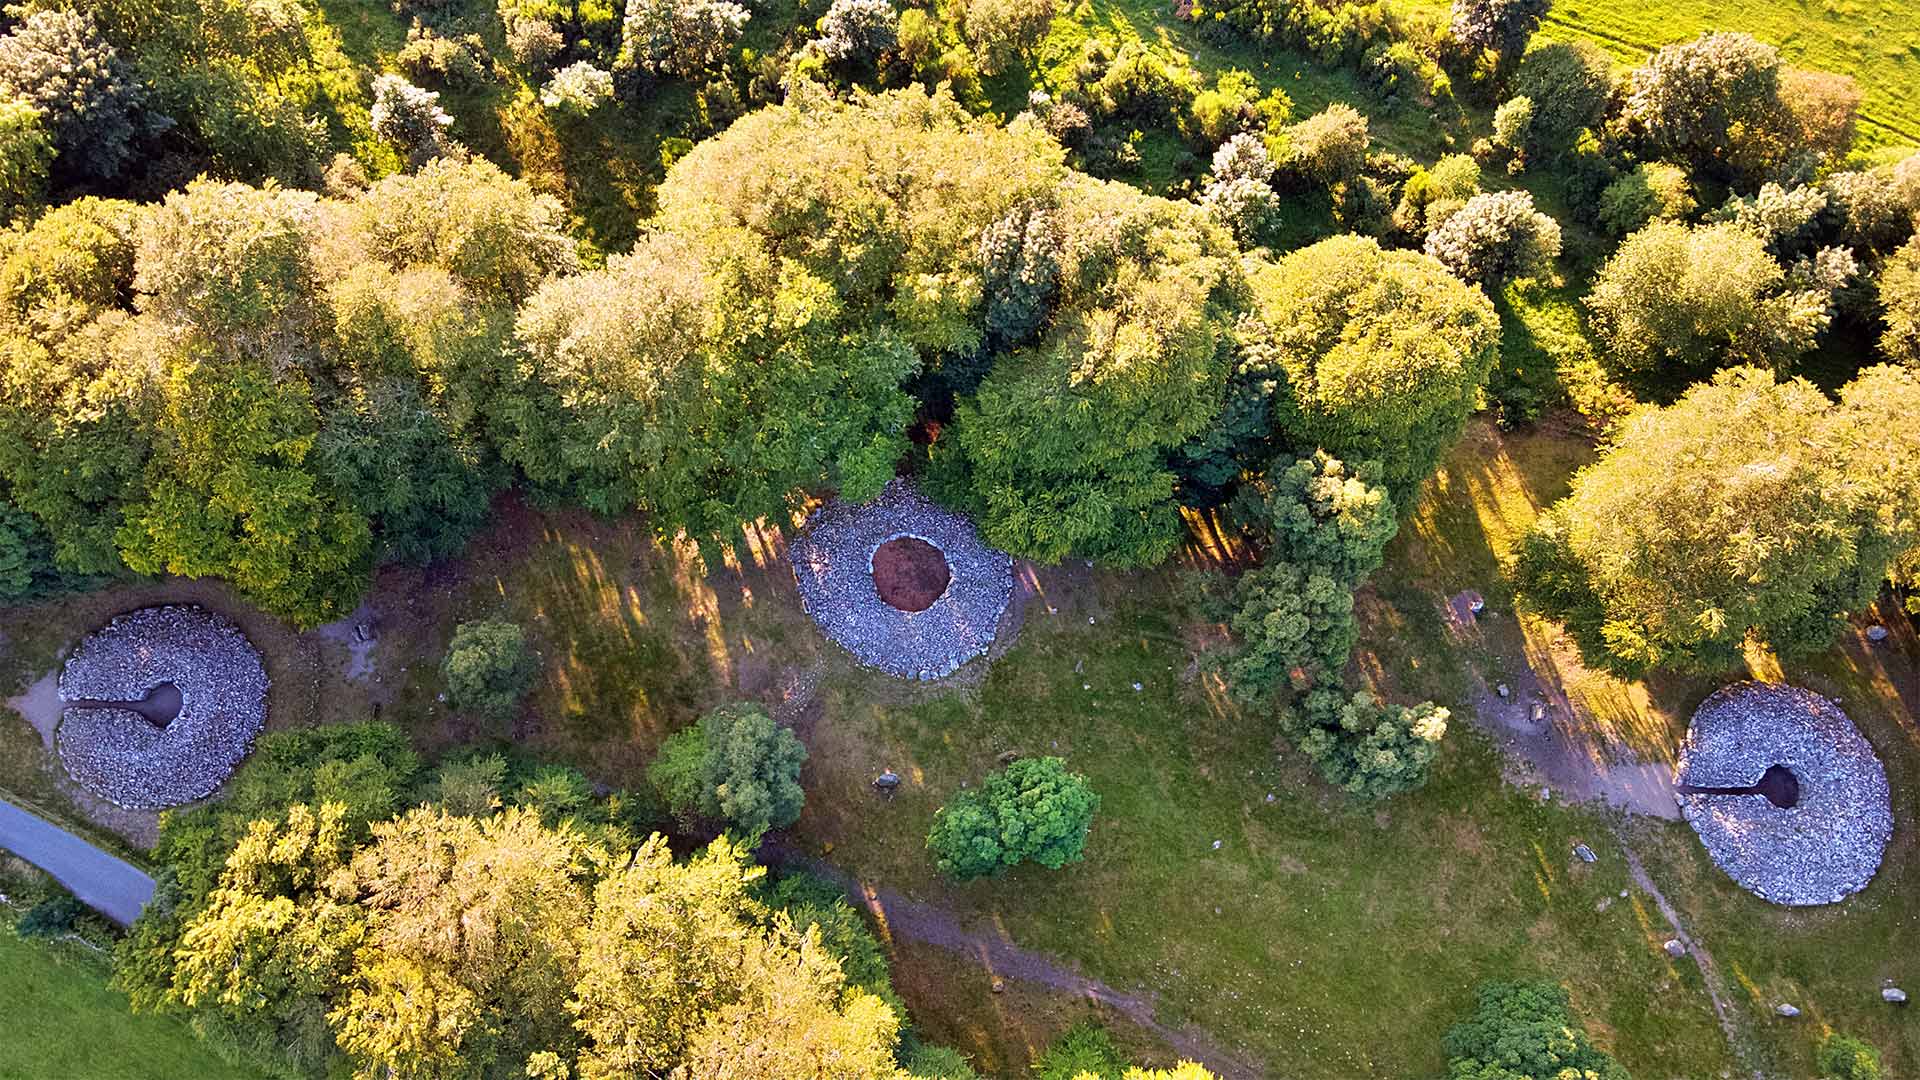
(1033, 810)
(488, 668)
(1496, 236)
(1843, 1057)
(735, 765)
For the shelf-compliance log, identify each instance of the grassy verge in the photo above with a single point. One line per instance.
(63, 1021)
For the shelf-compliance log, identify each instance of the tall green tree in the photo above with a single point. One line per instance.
(1371, 354)
(736, 765)
(1749, 509)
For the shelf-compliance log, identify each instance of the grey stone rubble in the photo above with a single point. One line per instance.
(833, 562)
(1819, 851)
(120, 756)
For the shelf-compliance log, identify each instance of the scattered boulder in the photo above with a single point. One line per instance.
(1503, 691)
(1876, 634)
(1008, 757)
(887, 781)
(1586, 853)
(1675, 948)
(1788, 1011)
(1893, 995)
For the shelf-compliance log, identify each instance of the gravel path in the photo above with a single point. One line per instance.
(1821, 850)
(109, 885)
(833, 563)
(117, 753)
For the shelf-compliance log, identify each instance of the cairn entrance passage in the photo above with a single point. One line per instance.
(1777, 785)
(910, 573)
(159, 707)
(1786, 795)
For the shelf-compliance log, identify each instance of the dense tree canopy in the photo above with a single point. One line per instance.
(1525, 1031)
(1375, 354)
(1750, 508)
(737, 766)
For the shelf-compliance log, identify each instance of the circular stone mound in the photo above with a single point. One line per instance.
(863, 567)
(1824, 847)
(910, 573)
(136, 760)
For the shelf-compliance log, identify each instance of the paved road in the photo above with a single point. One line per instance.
(111, 886)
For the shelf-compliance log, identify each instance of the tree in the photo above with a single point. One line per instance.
(1674, 303)
(26, 150)
(1843, 1057)
(676, 968)
(1366, 747)
(710, 384)
(859, 30)
(233, 265)
(683, 39)
(488, 668)
(1505, 26)
(497, 237)
(1373, 354)
(1496, 236)
(1900, 292)
(472, 949)
(1571, 85)
(1431, 196)
(229, 492)
(1063, 449)
(1020, 260)
(1875, 215)
(410, 118)
(735, 765)
(1715, 101)
(1748, 509)
(1033, 810)
(1525, 1031)
(90, 102)
(1002, 33)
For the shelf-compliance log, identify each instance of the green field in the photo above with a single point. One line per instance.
(63, 1022)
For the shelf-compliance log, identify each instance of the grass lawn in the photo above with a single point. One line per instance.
(63, 1021)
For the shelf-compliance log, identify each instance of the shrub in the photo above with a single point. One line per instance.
(1900, 293)
(26, 150)
(1233, 105)
(1495, 237)
(1240, 192)
(1526, 1031)
(1002, 33)
(410, 118)
(1874, 214)
(455, 63)
(1653, 191)
(488, 668)
(735, 765)
(1431, 196)
(928, 1062)
(578, 88)
(1329, 147)
(52, 917)
(1020, 257)
(1505, 26)
(1083, 1050)
(859, 30)
(1571, 86)
(89, 100)
(1033, 810)
(682, 39)
(1513, 124)
(1842, 1057)
(1716, 102)
(534, 43)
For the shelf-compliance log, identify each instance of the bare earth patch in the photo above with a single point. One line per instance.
(910, 573)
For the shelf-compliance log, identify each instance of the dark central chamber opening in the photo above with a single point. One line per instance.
(1778, 784)
(909, 573)
(159, 707)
